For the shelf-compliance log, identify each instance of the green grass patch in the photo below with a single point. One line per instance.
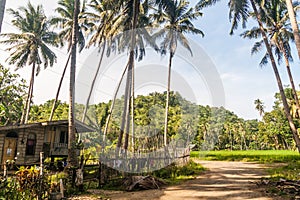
(173, 174)
(263, 156)
(288, 171)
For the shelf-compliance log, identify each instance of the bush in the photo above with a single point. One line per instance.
(26, 184)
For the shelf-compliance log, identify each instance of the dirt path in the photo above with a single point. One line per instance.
(223, 180)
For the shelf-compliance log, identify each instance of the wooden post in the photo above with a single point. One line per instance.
(61, 186)
(41, 163)
(5, 171)
(39, 196)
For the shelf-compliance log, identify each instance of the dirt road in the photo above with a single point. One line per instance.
(222, 181)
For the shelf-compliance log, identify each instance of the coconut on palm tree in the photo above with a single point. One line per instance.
(30, 46)
(177, 20)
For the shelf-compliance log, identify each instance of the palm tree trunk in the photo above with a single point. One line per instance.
(2, 11)
(59, 87)
(168, 99)
(29, 97)
(132, 110)
(113, 104)
(294, 24)
(127, 122)
(279, 82)
(287, 63)
(126, 104)
(72, 157)
(126, 111)
(93, 83)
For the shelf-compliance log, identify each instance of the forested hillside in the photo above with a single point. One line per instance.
(207, 127)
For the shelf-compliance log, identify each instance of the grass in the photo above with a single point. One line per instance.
(176, 174)
(262, 156)
(289, 169)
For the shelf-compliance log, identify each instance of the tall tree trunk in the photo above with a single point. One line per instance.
(26, 109)
(288, 68)
(126, 111)
(125, 146)
(72, 157)
(168, 99)
(113, 104)
(279, 82)
(126, 100)
(93, 83)
(292, 16)
(132, 110)
(2, 11)
(54, 106)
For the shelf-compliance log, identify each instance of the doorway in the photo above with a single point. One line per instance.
(10, 146)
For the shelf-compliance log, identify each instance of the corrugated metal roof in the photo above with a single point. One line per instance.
(80, 127)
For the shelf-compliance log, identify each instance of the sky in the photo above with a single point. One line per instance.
(238, 72)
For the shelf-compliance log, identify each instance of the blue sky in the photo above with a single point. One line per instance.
(243, 80)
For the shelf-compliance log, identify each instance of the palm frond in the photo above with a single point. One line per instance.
(264, 60)
(205, 3)
(257, 47)
(238, 12)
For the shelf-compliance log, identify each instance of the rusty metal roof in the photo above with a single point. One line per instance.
(80, 127)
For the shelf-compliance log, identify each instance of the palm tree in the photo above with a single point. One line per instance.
(275, 18)
(177, 19)
(133, 24)
(294, 24)
(259, 106)
(72, 158)
(65, 23)
(135, 37)
(239, 11)
(2, 11)
(101, 22)
(30, 45)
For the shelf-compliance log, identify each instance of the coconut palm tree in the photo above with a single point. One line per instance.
(29, 47)
(72, 157)
(275, 17)
(259, 106)
(177, 19)
(101, 21)
(135, 37)
(239, 11)
(294, 24)
(2, 11)
(129, 32)
(65, 22)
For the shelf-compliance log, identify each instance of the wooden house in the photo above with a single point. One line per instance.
(23, 143)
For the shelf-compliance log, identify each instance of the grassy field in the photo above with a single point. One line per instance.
(289, 169)
(263, 156)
